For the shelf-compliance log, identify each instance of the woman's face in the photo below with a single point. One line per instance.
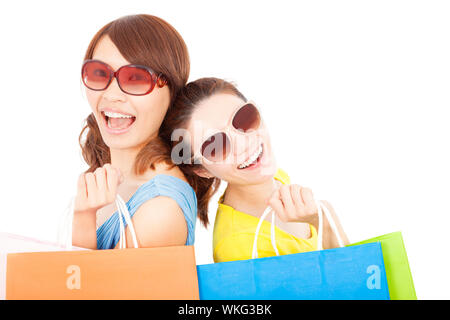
(132, 120)
(215, 114)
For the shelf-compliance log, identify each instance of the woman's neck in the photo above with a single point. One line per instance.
(124, 159)
(251, 199)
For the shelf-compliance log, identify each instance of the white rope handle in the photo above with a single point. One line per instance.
(323, 210)
(65, 228)
(123, 211)
(122, 235)
(64, 237)
(272, 233)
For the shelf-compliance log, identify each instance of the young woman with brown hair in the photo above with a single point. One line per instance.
(132, 70)
(217, 134)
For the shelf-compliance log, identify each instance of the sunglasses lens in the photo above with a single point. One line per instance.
(95, 75)
(135, 80)
(247, 118)
(217, 147)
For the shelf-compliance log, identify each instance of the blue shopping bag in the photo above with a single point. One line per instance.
(356, 273)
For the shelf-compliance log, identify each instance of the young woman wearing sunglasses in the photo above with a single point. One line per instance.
(223, 137)
(132, 70)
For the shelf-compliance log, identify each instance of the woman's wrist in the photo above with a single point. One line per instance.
(314, 221)
(84, 218)
(85, 212)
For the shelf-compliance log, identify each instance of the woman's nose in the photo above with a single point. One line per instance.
(245, 144)
(113, 92)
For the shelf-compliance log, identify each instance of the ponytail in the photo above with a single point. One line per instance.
(204, 188)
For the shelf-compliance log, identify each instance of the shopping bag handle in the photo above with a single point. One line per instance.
(322, 210)
(272, 233)
(122, 209)
(65, 229)
(64, 238)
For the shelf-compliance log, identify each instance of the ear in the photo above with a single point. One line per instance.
(202, 172)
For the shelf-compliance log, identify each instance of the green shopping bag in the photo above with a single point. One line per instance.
(398, 273)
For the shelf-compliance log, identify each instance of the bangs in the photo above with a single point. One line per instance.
(150, 41)
(138, 42)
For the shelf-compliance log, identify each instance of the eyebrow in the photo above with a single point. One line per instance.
(109, 64)
(216, 130)
(230, 119)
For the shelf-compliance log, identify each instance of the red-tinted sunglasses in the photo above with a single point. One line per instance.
(132, 79)
(218, 146)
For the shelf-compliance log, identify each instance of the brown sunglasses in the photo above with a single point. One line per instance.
(132, 79)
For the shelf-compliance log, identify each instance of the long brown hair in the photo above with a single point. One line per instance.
(150, 41)
(178, 117)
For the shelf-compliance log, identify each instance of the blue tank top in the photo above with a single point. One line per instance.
(108, 233)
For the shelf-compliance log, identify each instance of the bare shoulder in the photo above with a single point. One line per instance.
(160, 222)
(161, 205)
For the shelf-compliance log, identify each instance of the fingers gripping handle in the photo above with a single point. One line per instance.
(322, 211)
(65, 229)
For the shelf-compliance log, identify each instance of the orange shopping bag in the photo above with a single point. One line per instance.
(137, 273)
(152, 273)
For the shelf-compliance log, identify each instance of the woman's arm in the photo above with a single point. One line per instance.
(84, 230)
(159, 222)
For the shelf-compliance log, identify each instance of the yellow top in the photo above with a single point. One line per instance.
(234, 233)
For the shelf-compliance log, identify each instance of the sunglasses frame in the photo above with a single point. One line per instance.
(159, 80)
(227, 129)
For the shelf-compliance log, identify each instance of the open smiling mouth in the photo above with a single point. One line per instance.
(253, 160)
(117, 122)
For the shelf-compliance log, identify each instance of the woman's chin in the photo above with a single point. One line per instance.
(270, 170)
(116, 143)
(267, 171)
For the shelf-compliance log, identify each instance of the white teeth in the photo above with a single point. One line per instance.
(116, 115)
(252, 158)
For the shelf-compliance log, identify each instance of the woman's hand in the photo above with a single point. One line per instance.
(293, 203)
(97, 189)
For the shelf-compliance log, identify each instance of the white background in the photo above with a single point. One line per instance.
(355, 93)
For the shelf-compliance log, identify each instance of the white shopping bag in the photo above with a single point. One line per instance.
(11, 243)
